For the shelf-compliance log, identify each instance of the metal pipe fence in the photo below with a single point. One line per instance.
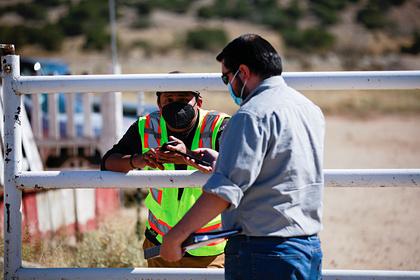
(191, 273)
(15, 180)
(174, 179)
(355, 80)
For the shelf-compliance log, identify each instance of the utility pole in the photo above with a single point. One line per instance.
(111, 103)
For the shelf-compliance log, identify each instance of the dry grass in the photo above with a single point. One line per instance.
(113, 244)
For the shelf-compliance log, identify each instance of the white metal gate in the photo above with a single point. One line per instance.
(16, 180)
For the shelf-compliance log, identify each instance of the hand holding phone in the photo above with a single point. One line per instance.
(198, 160)
(164, 147)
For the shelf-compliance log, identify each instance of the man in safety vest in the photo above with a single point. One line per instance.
(181, 119)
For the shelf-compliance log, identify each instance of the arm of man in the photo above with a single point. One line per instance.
(206, 208)
(126, 154)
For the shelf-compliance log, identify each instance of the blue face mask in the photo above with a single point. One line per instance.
(236, 99)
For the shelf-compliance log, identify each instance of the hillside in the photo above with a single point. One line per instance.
(158, 36)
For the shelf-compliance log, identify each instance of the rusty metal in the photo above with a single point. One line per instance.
(6, 49)
(7, 68)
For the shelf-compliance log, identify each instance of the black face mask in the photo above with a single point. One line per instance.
(178, 115)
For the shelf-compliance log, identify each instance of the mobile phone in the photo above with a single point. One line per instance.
(164, 147)
(196, 159)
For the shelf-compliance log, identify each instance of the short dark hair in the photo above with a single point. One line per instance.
(253, 51)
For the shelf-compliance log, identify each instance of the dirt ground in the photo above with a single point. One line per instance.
(372, 228)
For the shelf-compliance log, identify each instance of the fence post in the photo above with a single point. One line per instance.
(13, 160)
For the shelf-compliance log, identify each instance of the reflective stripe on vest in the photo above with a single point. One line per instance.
(152, 127)
(163, 228)
(165, 210)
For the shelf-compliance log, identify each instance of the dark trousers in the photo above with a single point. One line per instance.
(273, 258)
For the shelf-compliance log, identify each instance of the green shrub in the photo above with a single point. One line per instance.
(326, 15)
(50, 3)
(327, 11)
(50, 37)
(266, 12)
(211, 39)
(143, 10)
(96, 39)
(292, 37)
(314, 39)
(17, 35)
(31, 11)
(236, 9)
(294, 11)
(82, 15)
(373, 14)
(276, 18)
(177, 6)
(414, 48)
(317, 39)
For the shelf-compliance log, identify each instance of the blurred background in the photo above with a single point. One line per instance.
(363, 228)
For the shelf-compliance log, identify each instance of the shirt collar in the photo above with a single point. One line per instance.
(274, 81)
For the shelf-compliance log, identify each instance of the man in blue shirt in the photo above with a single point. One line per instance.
(267, 178)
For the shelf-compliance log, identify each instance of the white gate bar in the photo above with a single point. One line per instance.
(372, 177)
(341, 274)
(191, 274)
(350, 80)
(121, 273)
(109, 179)
(174, 179)
(70, 126)
(13, 107)
(53, 118)
(87, 98)
(36, 116)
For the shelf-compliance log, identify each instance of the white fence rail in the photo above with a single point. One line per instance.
(191, 273)
(16, 180)
(174, 179)
(357, 80)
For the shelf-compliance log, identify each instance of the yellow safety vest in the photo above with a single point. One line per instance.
(165, 210)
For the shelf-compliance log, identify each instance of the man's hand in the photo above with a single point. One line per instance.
(204, 210)
(204, 153)
(171, 250)
(150, 158)
(169, 156)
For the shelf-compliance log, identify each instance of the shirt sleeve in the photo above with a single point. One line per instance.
(242, 151)
(129, 144)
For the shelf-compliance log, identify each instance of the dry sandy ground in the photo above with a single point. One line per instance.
(372, 228)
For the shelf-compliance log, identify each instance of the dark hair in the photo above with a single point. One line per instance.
(253, 51)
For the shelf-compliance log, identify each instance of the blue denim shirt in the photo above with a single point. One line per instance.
(270, 166)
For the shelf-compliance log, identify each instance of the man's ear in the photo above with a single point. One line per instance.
(199, 101)
(245, 73)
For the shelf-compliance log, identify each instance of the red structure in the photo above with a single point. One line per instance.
(64, 211)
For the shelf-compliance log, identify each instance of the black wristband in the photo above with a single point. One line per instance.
(131, 161)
